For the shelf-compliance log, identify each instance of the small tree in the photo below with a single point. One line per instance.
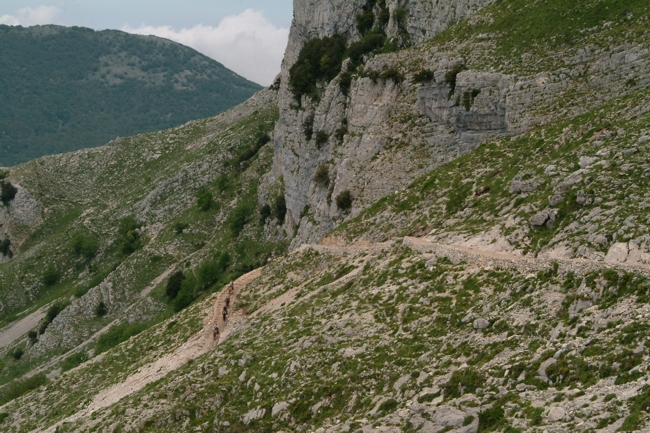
(321, 138)
(280, 208)
(130, 236)
(174, 284)
(101, 310)
(5, 248)
(51, 276)
(7, 192)
(204, 199)
(265, 213)
(33, 337)
(86, 247)
(322, 176)
(18, 353)
(344, 200)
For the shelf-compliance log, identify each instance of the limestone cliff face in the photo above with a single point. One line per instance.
(18, 218)
(396, 130)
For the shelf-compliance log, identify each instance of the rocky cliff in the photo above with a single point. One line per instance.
(405, 113)
(366, 117)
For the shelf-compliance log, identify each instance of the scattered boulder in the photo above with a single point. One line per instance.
(556, 414)
(253, 415)
(586, 161)
(545, 217)
(631, 151)
(481, 323)
(555, 200)
(279, 407)
(519, 186)
(617, 253)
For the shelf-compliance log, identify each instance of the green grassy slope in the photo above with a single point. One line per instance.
(156, 181)
(71, 88)
(393, 337)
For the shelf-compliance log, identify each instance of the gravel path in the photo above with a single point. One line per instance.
(196, 346)
(18, 329)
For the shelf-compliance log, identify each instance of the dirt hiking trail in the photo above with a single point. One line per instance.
(196, 346)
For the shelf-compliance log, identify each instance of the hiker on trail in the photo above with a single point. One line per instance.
(225, 313)
(231, 288)
(228, 301)
(215, 332)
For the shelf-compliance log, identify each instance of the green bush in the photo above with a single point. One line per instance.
(179, 227)
(238, 219)
(250, 152)
(388, 406)
(365, 21)
(86, 247)
(51, 276)
(345, 82)
(341, 133)
(174, 284)
(74, 360)
(204, 199)
(265, 213)
(188, 293)
(7, 192)
(451, 75)
(18, 353)
(400, 15)
(321, 139)
(319, 60)
(18, 388)
(489, 419)
(344, 200)
(308, 126)
(5, 248)
(101, 310)
(280, 208)
(368, 44)
(3, 416)
(33, 336)
(211, 272)
(51, 314)
(116, 335)
(462, 382)
(129, 236)
(322, 176)
(424, 76)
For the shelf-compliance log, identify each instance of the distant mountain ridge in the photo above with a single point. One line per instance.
(68, 88)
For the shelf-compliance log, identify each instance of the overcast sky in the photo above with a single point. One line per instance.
(247, 36)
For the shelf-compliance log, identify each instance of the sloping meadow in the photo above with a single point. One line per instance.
(120, 219)
(358, 338)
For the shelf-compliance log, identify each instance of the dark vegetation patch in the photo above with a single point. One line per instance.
(129, 240)
(20, 387)
(116, 335)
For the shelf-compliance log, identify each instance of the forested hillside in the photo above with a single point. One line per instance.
(65, 89)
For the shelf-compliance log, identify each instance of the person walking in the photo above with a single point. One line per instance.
(215, 332)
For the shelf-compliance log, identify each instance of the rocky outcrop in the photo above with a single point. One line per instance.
(17, 218)
(377, 131)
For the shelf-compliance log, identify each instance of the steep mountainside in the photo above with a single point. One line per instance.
(71, 88)
(436, 221)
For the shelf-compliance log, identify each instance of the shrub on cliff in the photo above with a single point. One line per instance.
(344, 200)
(319, 60)
(86, 247)
(7, 192)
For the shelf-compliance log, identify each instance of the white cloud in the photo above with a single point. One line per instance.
(32, 16)
(248, 43)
